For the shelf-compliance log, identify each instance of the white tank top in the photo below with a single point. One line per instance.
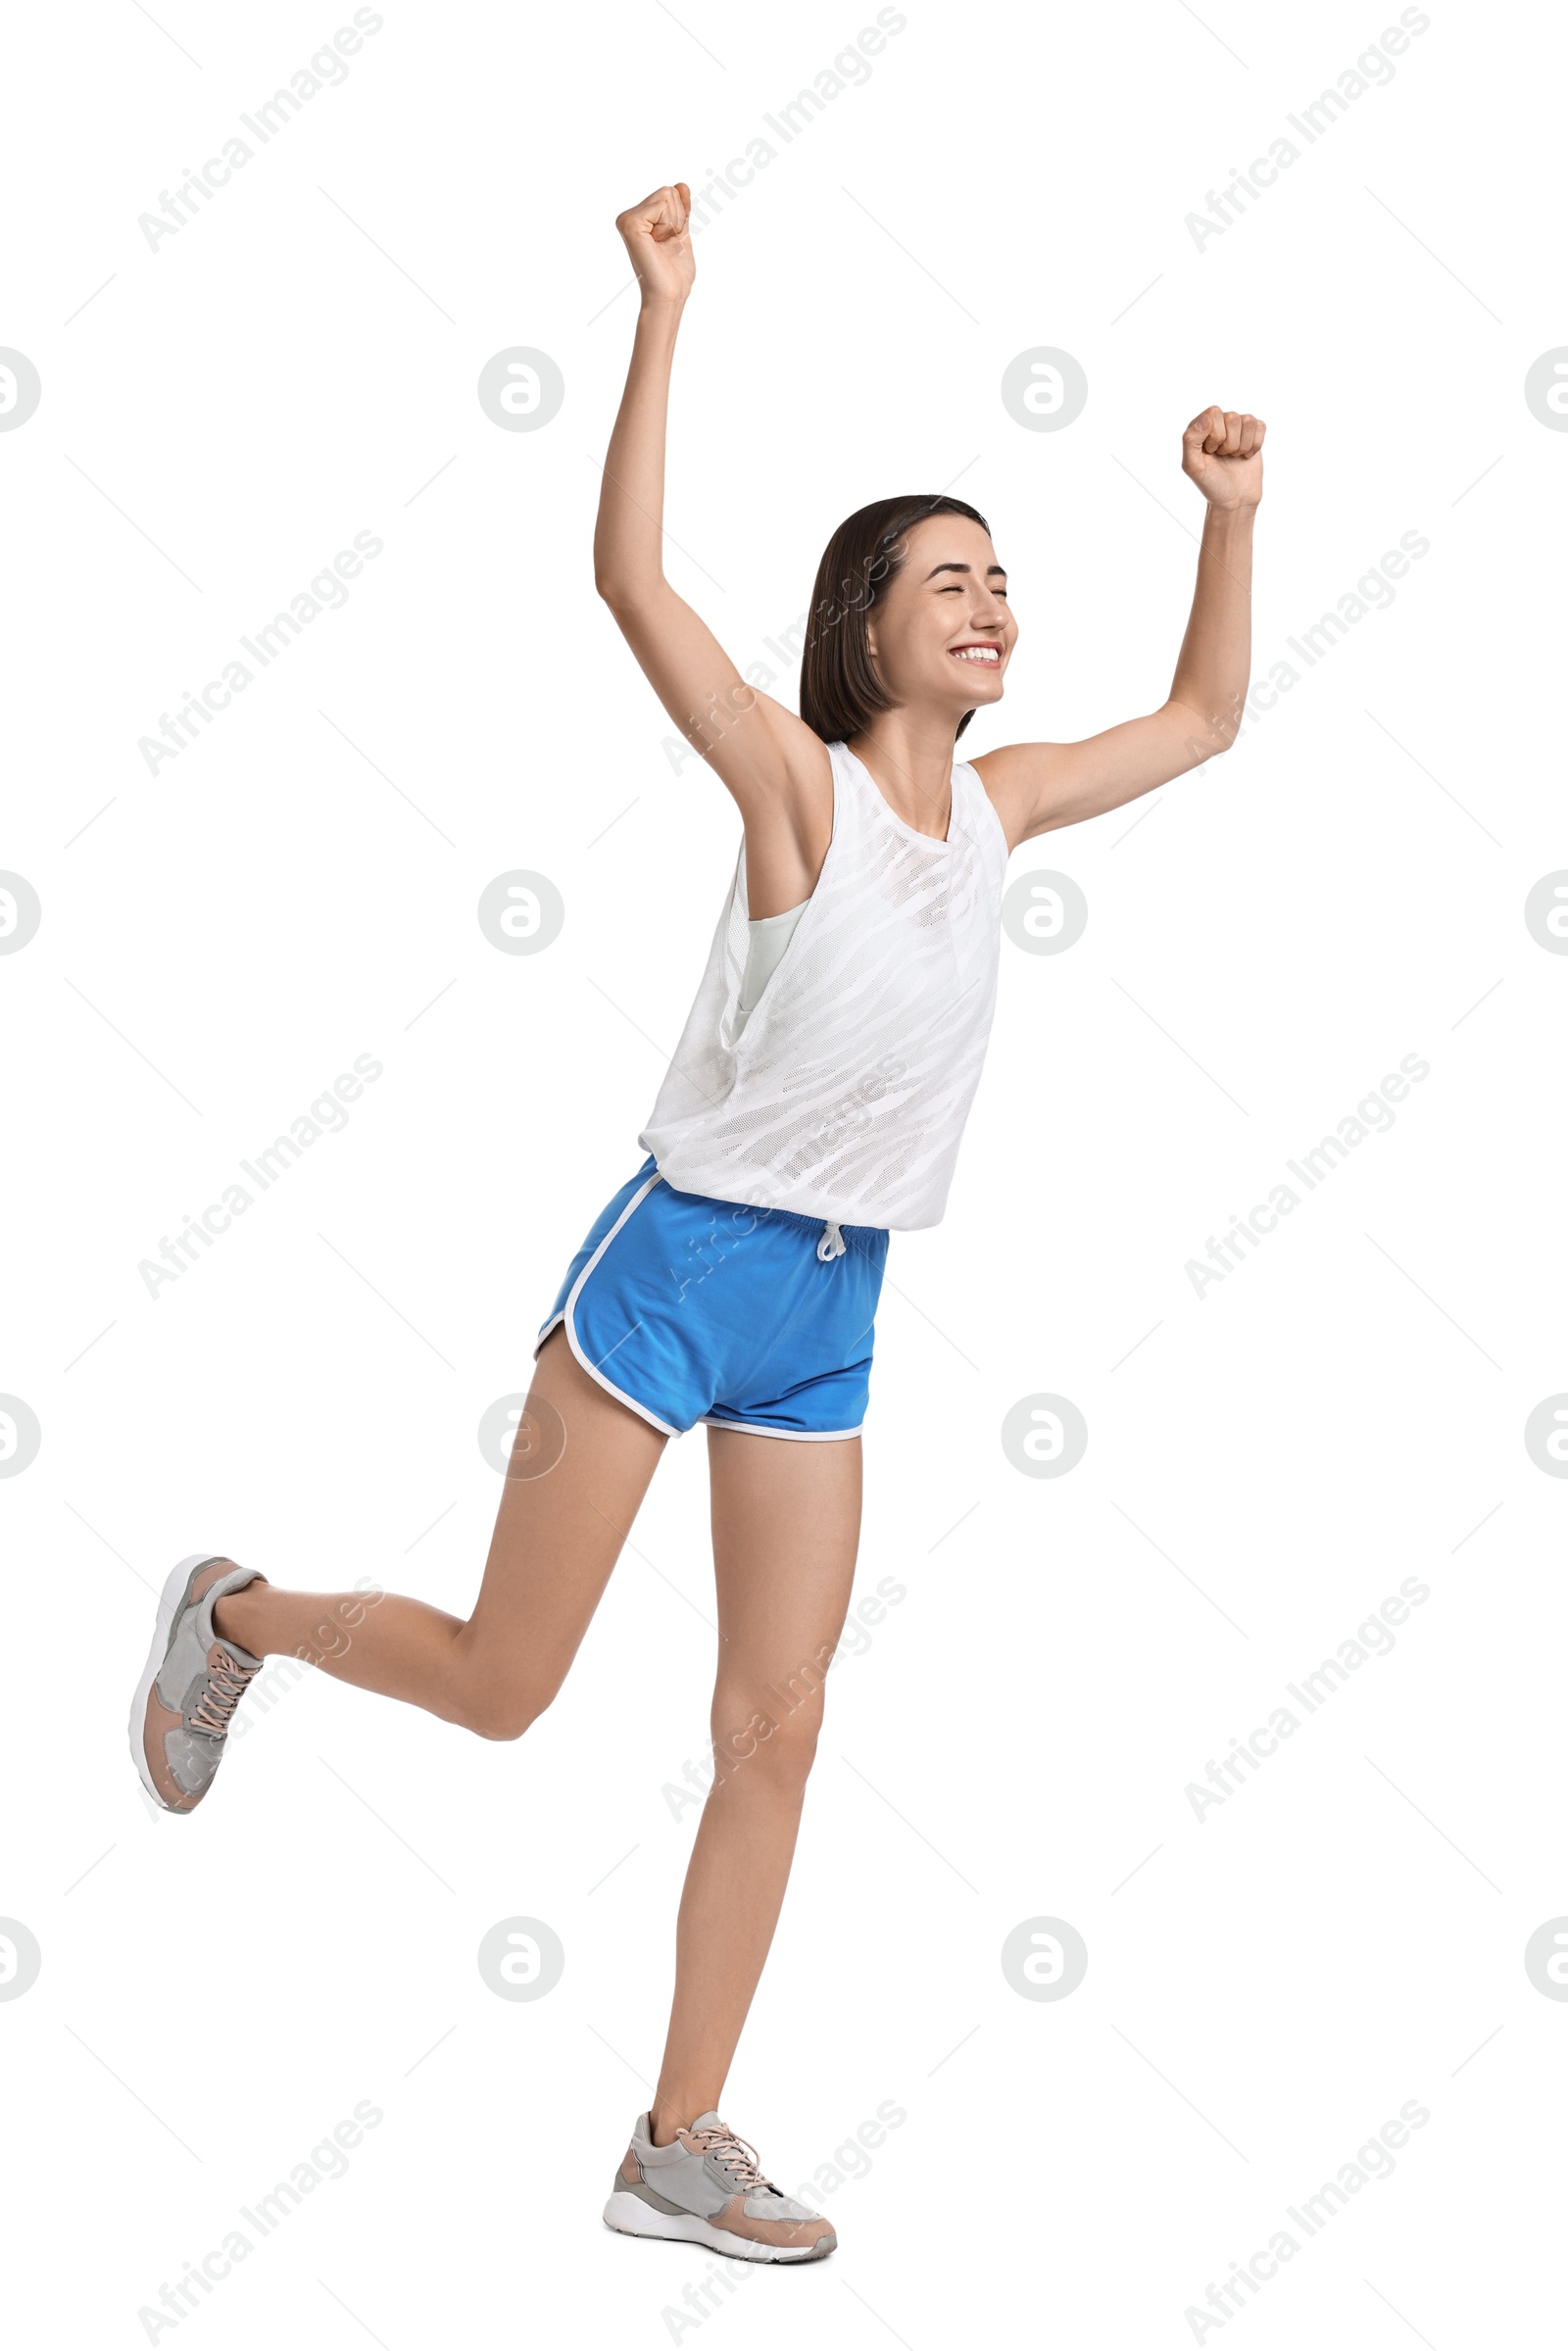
(843, 1093)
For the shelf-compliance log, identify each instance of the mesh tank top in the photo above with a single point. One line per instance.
(845, 1093)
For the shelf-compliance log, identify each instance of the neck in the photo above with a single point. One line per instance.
(910, 754)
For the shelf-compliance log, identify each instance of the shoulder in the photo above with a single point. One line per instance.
(1003, 786)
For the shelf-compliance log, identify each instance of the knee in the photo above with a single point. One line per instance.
(493, 1690)
(774, 1752)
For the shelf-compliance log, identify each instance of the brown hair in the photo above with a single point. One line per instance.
(840, 690)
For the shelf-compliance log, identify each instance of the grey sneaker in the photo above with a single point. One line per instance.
(194, 1679)
(707, 2189)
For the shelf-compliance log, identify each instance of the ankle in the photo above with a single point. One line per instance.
(236, 1616)
(668, 2117)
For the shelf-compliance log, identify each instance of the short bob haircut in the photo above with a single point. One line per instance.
(840, 690)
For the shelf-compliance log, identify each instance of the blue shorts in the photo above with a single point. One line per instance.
(691, 1310)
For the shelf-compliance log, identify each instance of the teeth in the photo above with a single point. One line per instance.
(978, 652)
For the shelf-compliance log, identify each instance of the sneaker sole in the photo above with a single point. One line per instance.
(631, 2217)
(173, 1593)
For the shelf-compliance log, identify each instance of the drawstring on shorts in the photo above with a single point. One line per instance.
(831, 1244)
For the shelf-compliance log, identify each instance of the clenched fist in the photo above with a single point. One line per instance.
(1222, 452)
(657, 233)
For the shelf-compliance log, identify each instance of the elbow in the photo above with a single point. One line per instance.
(624, 594)
(1226, 724)
(1209, 733)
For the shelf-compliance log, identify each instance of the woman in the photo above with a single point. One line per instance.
(814, 1103)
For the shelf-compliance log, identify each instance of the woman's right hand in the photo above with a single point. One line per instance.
(657, 233)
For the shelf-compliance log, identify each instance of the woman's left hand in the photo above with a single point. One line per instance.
(1221, 451)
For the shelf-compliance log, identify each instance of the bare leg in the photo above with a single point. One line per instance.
(557, 1538)
(786, 1529)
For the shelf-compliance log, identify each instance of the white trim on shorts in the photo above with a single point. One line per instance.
(752, 1427)
(566, 1315)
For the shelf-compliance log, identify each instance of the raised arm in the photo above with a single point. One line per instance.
(774, 766)
(1037, 787)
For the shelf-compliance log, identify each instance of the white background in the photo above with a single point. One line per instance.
(1265, 1463)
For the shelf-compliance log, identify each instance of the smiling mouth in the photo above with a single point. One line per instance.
(984, 657)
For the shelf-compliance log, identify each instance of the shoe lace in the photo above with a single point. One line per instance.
(226, 1683)
(735, 2154)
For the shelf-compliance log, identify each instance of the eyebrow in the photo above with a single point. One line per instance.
(990, 568)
